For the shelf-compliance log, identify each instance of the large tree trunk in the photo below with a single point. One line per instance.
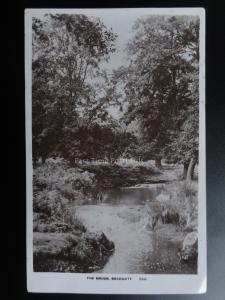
(185, 169)
(191, 168)
(158, 163)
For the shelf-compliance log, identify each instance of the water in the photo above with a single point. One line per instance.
(122, 215)
(131, 196)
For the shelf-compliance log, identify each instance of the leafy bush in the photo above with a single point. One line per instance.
(52, 214)
(55, 173)
(55, 185)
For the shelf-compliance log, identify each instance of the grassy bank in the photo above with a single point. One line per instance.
(61, 241)
(176, 209)
(182, 201)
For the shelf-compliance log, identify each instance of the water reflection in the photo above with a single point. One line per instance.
(131, 196)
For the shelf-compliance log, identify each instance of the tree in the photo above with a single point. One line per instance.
(185, 143)
(67, 51)
(162, 84)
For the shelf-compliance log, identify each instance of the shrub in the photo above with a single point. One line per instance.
(56, 173)
(181, 200)
(52, 213)
(55, 185)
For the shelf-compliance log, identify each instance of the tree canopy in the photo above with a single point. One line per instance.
(67, 51)
(157, 91)
(161, 85)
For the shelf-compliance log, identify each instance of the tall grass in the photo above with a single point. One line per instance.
(181, 198)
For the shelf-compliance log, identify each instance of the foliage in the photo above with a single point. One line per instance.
(157, 93)
(55, 184)
(182, 199)
(55, 173)
(161, 85)
(132, 163)
(67, 51)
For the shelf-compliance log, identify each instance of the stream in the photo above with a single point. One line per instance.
(123, 217)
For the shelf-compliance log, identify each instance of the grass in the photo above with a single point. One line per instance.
(181, 198)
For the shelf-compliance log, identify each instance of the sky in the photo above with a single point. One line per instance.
(121, 22)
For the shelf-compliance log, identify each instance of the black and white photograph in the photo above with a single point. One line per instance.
(115, 149)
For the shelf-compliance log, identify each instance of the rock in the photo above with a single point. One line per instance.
(189, 250)
(109, 245)
(99, 239)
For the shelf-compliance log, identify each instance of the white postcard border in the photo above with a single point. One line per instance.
(78, 283)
